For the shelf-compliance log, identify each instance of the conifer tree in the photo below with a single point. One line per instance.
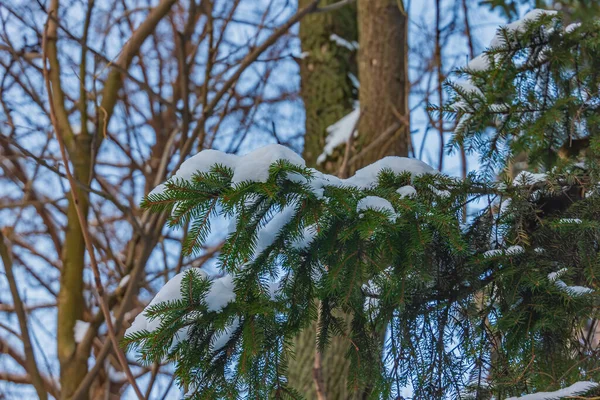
(389, 247)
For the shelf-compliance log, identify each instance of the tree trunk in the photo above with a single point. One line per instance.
(384, 85)
(326, 85)
(71, 303)
(326, 91)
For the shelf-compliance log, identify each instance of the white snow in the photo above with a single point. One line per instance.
(571, 27)
(461, 104)
(340, 41)
(407, 191)
(221, 338)
(366, 178)
(504, 205)
(499, 107)
(354, 80)
(124, 281)
(308, 235)
(479, 63)
(253, 166)
(79, 330)
(493, 253)
(520, 25)
(509, 251)
(553, 276)
(468, 87)
(465, 118)
(378, 204)
(512, 250)
(220, 294)
(528, 178)
(570, 221)
(339, 133)
(572, 290)
(317, 183)
(482, 62)
(114, 375)
(573, 390)
(438, 192)
(268, 233)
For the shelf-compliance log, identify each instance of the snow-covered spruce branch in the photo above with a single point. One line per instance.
(533, 89)
(387, 245)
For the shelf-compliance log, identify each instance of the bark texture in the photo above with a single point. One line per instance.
(384, 85)
(326, 86)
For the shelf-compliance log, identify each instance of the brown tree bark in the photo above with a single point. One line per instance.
(326, 87)
(384, 85)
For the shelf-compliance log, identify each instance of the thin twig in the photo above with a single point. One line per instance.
(334, 6)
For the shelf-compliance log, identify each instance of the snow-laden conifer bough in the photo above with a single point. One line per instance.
(383, 243)
(254, 167)
(414, 182)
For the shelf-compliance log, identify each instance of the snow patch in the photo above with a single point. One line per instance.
(509, 251)
(267, 234)
(124, 281)
(366, 178)
(479, 63)
(573, 390)
(440, 193)
(571, 27)
(220, 294)
(493, 253)
(79, 330)
(528, 178)
(572, 290)
(482, 62)
(378, 204)
(308, 235)
(553, 276)
(407, 191)
(468, 87)
(339, 133)
(340, 41)
(115, 375)
(570, 221)
(253, 167)
(513, 250)
(520, 25)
